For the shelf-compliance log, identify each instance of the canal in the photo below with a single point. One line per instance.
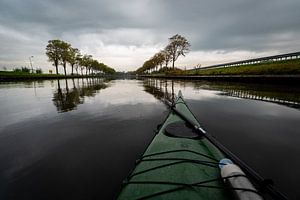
(79, 138)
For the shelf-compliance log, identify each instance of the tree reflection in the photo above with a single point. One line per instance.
(280, 94)
(287, 95)
(161, 89)
(66, 99)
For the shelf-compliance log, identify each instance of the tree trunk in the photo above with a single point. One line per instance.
(173, 64)
(72, 69)
(56, 66)
(67, 86)
(65, 69)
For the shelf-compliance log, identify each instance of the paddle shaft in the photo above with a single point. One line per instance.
(228, 153)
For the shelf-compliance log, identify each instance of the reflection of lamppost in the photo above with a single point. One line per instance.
(31, 63)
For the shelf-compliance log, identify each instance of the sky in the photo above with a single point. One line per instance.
(125, 33)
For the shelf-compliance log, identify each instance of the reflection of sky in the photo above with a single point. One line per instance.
(239, 123)
(24, 102)
(123, 99)
(199, 94)
(125, 92)
(190, 92)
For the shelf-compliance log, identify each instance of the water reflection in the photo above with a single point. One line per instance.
(66, 99)
(160, 89)
(35, 138)
(279, 94)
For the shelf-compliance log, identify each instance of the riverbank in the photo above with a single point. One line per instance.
(283, 72)
(278, 79)
(285, 67)
(8, 76)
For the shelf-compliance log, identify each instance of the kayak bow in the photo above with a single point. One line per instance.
(184, 162)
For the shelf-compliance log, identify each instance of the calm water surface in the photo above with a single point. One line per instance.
(78, 139)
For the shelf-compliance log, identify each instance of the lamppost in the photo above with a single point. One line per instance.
(31, 63)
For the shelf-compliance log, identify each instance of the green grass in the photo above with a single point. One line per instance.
(287, 67)
(7, 75)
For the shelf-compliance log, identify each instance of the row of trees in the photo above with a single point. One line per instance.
(62, 53)
(177, 46)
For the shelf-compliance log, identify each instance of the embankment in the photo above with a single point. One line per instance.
(283, 72)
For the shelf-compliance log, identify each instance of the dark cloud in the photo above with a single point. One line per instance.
(140, 27)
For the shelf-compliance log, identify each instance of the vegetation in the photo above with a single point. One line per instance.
(270, 68)
(178, 46)
(72, 59)
(53, 52)
(286, 67)
(62, 53)
(39, 71)
(22, 70)
(18, 74)
(12, 75)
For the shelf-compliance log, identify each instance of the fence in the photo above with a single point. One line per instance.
(287, 56)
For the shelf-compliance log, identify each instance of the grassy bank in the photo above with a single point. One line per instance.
(287, 67)
(8, 75)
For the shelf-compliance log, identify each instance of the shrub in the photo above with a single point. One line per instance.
(25, 69)
(17, 70)
(39, 71)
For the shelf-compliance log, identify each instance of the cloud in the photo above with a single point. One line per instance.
(125, 33)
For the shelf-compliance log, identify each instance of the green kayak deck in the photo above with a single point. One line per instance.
(170, 163)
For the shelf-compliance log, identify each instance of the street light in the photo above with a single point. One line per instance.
(31, 63)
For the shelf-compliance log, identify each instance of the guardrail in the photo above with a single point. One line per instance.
(287, 56)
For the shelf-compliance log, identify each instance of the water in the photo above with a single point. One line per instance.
(78, 139)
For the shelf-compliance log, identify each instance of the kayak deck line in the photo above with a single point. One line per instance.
(198, 184)
(265, 184)
(179, 150)
(179, 167)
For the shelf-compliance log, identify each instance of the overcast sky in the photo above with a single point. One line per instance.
(123, 33)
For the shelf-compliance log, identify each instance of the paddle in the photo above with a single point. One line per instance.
(248, 170)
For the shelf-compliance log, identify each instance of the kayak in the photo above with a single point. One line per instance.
(181, 162)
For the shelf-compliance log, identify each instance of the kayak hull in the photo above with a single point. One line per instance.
(171, 167)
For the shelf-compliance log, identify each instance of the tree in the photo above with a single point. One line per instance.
(95, 66)
(81, 64)
(159, 59)
(86, 62)
(178, 45)
(78, 62)
(64, 54)
(60, 52)
(53, 52)
(167, 56)
(72, 58)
